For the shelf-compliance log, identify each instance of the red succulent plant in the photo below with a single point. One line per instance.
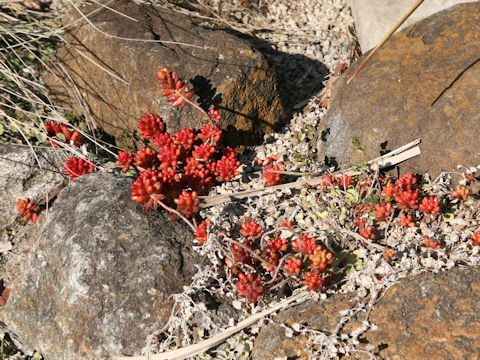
(75, 167)
(175, 89)
(28, 210)
(249, 287)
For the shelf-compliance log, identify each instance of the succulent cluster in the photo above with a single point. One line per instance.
(260, 259)
(60, 133)
(405, 202)
(400, 198)
(175, 169)
(272, 170)
(75, 167)
(265, 260)
(28, 210)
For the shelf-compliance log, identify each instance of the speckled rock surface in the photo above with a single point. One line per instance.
(423, 317)
(97, 277)
(224, 70)
(423, 83)
(21, 177)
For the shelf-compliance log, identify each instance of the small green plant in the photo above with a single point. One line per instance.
(307, 132)
(357, 145)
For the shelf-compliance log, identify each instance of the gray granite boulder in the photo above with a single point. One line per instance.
(98, 274)
(22, 176)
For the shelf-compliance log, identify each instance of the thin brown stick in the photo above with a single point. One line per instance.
(361, 238)
(173, 211)
(202, 346)
(277, 270)
(203, 112)
(283, 172)
(392, 158)
(251, 252)
(217, 200)
(130, 39)
(386, 37)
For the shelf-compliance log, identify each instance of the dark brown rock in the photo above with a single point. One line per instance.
(431, 316)
(423, 83)
(224, 70)
(97, 277)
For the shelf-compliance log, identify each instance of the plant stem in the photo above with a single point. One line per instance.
(173, 211)
(386, 37)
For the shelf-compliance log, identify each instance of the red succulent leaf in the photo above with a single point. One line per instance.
(304, 244)
(360, 222)
(328, 181)
(367, 232)
(176, 90)
(168, 156)
(53, 129)
(162, 139)
(249, 287)
(407, 221)
(214, 115)
(407, 199)
(125, 159)
(313, 281)
(26, 209)
(390, 190)
(203, 152)
(187, 203)
(225, 168)
(383, 211)
(148, 189)
(272, 178)
(201, 232)
(430, 205)
(151, 125)
(75, 167)
(320, 259)
(461, 193)
(429, 243)
(185, 138)
(251, 229)
(145, 158)
(293, 266)
(210, 133)
(344, 181)
(241, 255)
(272, 256)
(278, 244)
(286, 223)
(407, 181)
(476, 239)
(388, 253)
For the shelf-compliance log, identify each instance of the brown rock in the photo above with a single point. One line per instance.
(422, 317)
(224, 70)
(423, 83)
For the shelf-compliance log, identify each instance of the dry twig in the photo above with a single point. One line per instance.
(386, 37)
